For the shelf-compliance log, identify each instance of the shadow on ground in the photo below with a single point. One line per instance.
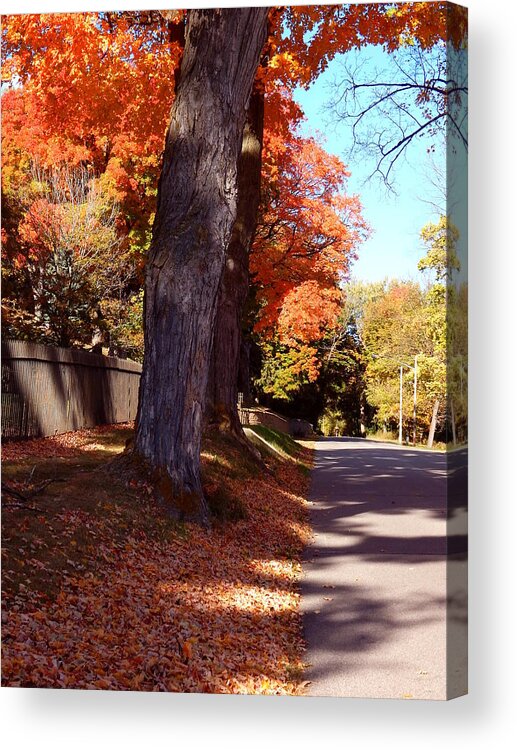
(375, 595)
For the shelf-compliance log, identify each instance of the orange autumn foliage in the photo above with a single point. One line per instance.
(89, 88)
(308, 234)
(308, 37)
(96, 88)
(101, 83)
(308, 313)
(309, 228)
(99, 86)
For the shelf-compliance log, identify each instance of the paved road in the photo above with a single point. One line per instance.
(374, 589)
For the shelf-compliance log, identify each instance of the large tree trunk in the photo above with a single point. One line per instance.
(221, 403)
(195, 214)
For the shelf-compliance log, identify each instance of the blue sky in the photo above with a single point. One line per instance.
(396, 220)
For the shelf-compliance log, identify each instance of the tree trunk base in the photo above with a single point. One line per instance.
(180, 503)
(223, 423)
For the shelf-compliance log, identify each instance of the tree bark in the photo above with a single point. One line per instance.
(196, 210)
(432, 429)
(453, 422)
(221, 402)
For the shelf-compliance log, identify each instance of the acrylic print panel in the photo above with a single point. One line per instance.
(283, 510)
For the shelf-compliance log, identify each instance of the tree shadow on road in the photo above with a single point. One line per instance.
(386, 520)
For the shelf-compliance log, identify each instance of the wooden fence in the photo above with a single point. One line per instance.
(47, 390)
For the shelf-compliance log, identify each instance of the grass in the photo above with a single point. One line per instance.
(280, 443)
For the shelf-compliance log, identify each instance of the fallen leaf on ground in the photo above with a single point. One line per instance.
(115, 596)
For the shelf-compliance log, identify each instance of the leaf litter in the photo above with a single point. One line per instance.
(101, 590)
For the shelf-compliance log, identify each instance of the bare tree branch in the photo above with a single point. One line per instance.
(422, 95)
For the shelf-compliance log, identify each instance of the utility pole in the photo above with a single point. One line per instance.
(415, 379)
(400, 407)
(414, 400)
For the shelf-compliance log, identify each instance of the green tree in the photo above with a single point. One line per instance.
(403, 322)
(446, 325)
